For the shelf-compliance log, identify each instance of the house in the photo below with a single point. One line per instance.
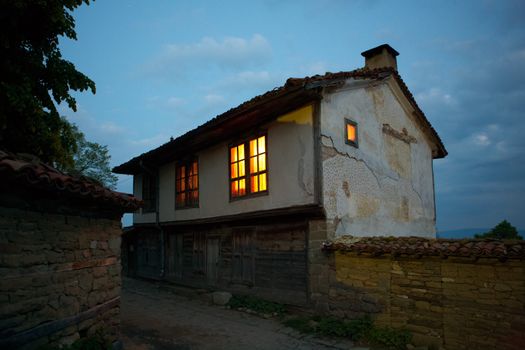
(244, 201)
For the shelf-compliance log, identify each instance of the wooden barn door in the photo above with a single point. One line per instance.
(212, 260)
(243, 257)
(175, 256)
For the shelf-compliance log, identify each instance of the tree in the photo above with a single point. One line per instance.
(91, 160)
(34, 76)
(503, 230)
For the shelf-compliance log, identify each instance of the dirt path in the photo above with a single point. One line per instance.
(153, 318)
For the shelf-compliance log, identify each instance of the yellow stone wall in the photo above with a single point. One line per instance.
(454, 303)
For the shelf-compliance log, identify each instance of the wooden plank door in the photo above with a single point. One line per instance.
(243, 258)
(212, 260)
(175, 257)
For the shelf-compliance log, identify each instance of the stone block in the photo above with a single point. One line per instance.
(221, 298)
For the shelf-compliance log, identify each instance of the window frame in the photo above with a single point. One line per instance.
(187, 163)
(246, 142)
(355, 125)
(152, 193)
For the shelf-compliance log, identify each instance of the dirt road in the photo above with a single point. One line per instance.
(154, 318)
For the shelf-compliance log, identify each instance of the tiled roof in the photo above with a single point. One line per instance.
(292, 85)
(378, 73)
(28, 171)
(418, 246)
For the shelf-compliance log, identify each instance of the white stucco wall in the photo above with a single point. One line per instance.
(384, 187)
(290, 175)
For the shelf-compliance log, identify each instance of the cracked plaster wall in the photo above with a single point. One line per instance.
(384, 187)
(290, 174)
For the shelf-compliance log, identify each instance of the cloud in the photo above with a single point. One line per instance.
(232, 53)
(151, 142)
(213, 99)
(248, 79)
(435, 96)
(112, 128)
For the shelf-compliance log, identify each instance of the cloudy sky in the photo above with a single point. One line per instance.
(164, 67)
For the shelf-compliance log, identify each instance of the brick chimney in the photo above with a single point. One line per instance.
(380, 57)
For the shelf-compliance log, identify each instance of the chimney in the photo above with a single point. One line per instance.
(380, 57)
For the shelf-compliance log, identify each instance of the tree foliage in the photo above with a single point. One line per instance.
(34, 79)
(91, 160)
(503, 230)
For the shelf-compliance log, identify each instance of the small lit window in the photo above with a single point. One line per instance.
(351, 132)
(248, 172)
(187, 184)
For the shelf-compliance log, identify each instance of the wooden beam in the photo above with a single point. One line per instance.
(43, 330)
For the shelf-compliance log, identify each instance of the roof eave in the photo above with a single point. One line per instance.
(208, 133)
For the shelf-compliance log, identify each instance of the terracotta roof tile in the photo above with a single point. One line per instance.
(418, 246)
(27, 170)
(291, 85)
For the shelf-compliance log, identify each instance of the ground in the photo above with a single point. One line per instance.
(154, 318)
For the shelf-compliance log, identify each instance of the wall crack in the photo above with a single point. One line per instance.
(345, 154)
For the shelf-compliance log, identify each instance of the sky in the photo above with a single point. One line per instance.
(162, 68)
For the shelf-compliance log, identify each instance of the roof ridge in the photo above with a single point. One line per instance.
(29, 170)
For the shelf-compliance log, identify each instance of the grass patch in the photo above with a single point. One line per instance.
(361, 329)
(257, 305)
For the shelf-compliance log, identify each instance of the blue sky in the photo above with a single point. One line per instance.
(164, 67)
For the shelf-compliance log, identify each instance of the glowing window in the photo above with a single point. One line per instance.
(187, 184)
(351, 132)
(248, 172)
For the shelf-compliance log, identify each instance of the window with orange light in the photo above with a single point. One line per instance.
(187, 184)
(248, 168)
(351, 132)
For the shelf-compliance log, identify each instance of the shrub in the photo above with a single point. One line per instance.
(258, 305)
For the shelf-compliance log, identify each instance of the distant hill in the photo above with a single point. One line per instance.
(467, 233)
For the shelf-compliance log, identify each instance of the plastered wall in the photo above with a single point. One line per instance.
(290, 174)
(385, 186)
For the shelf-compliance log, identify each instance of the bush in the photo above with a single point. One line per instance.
(357, 330)
(258, 305)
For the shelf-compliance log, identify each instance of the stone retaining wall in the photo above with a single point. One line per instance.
(452, 303)
(60, 278)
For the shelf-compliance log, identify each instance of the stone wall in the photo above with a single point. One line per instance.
(60, 278)
(452, 303)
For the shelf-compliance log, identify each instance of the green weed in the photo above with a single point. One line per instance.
(258, 305)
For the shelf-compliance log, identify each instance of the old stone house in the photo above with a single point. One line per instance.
(244, 201)
(60, 265)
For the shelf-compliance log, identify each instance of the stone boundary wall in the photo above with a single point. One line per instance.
(447, 303)
(60, 278)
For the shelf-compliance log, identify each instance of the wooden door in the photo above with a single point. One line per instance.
(175, 257)
(212, 260)
(243, 258)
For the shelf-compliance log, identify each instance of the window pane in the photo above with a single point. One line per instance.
(350, 132)
(262, 182)
(242, 187)
(254, 184)
(183, 185)
(234, 171)
(262, 145)
(262, 162)
(253, 165)
(195, 166)
(233, 154)
(195, 182)
(242, 171)
(253, 147)
(235, 188)
(241, 152)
